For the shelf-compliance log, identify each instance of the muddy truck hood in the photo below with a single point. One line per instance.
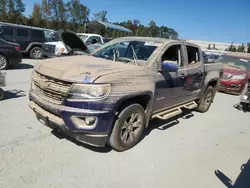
(80, 68)
(72, 41)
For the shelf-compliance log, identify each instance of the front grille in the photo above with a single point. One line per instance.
(223, 86)
(226, 76)
(50, 89)
(48, 48)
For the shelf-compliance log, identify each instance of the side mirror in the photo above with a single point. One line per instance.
(169, 66)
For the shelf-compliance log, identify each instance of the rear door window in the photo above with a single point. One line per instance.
(8, 31)
(22, 32)
(193, 55)
(37, 34)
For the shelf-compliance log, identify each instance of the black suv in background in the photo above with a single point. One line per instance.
(29, 38)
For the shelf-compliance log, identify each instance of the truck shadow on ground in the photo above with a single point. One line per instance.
(60, 135)
(154, 124)
(165, 124)
(242, 181)
(11, 94)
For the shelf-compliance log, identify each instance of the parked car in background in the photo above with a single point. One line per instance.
(89, 38)
(54, 46)
(110, 95)
(10, 54)
(30, 39)
(236, 73)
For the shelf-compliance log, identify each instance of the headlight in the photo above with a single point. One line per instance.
(89, 91)
(59, 50)
(238, 77)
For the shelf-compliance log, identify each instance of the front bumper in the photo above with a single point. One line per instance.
(60, 117)
(231, 86)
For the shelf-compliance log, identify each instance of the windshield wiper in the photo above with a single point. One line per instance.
(134, 55)
(116, 54)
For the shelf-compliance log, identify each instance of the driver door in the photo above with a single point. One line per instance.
(170, 85)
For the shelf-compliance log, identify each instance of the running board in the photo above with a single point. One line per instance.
(174, 111)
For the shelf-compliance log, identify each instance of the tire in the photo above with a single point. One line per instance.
(1, 94)
(206, 100)
(36, 53)
(4, 63)
(126, 135)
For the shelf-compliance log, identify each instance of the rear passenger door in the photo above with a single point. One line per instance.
(22, 38)
(195, 71)
(37, 35)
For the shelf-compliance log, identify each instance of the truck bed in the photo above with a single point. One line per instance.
(213, 67)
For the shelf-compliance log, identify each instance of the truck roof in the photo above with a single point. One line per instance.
(154, 39)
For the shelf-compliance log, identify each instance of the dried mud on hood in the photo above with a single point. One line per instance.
(80, 68)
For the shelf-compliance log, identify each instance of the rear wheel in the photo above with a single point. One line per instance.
(128, 128)
(206, 100)
(3, 62)
(36, 53)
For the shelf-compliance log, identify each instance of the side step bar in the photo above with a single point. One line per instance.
(174, 111)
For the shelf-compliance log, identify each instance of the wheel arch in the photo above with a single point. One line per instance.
(142, 98)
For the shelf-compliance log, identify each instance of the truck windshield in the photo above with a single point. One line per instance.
(127, 51)
(236, 62)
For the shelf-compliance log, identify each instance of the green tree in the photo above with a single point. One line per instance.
(45, 9)
(3, 11)
(101, 16)
(11, 11)
(214, 48)
(232, 48)
(248, 47)
(3, 7)
(153, 29)
(36, 16)
(19, 7)
(241, 48)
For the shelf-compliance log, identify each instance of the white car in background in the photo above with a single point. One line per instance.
(55, 47)
(90, 38)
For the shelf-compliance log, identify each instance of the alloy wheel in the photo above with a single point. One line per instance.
(131, 128)
(3, 63)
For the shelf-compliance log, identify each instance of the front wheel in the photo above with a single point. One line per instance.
(128, 128)
(206, 100)
(36, 53)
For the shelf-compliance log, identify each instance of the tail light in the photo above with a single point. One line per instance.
(17, 48)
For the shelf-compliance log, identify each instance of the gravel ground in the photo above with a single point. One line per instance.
(179, 154)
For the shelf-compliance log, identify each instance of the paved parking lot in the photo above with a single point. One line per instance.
(177, 154)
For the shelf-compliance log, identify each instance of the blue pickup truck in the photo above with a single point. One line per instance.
(109, 96)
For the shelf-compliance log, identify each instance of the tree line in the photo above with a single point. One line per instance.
(243, 48)
(72, 14)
